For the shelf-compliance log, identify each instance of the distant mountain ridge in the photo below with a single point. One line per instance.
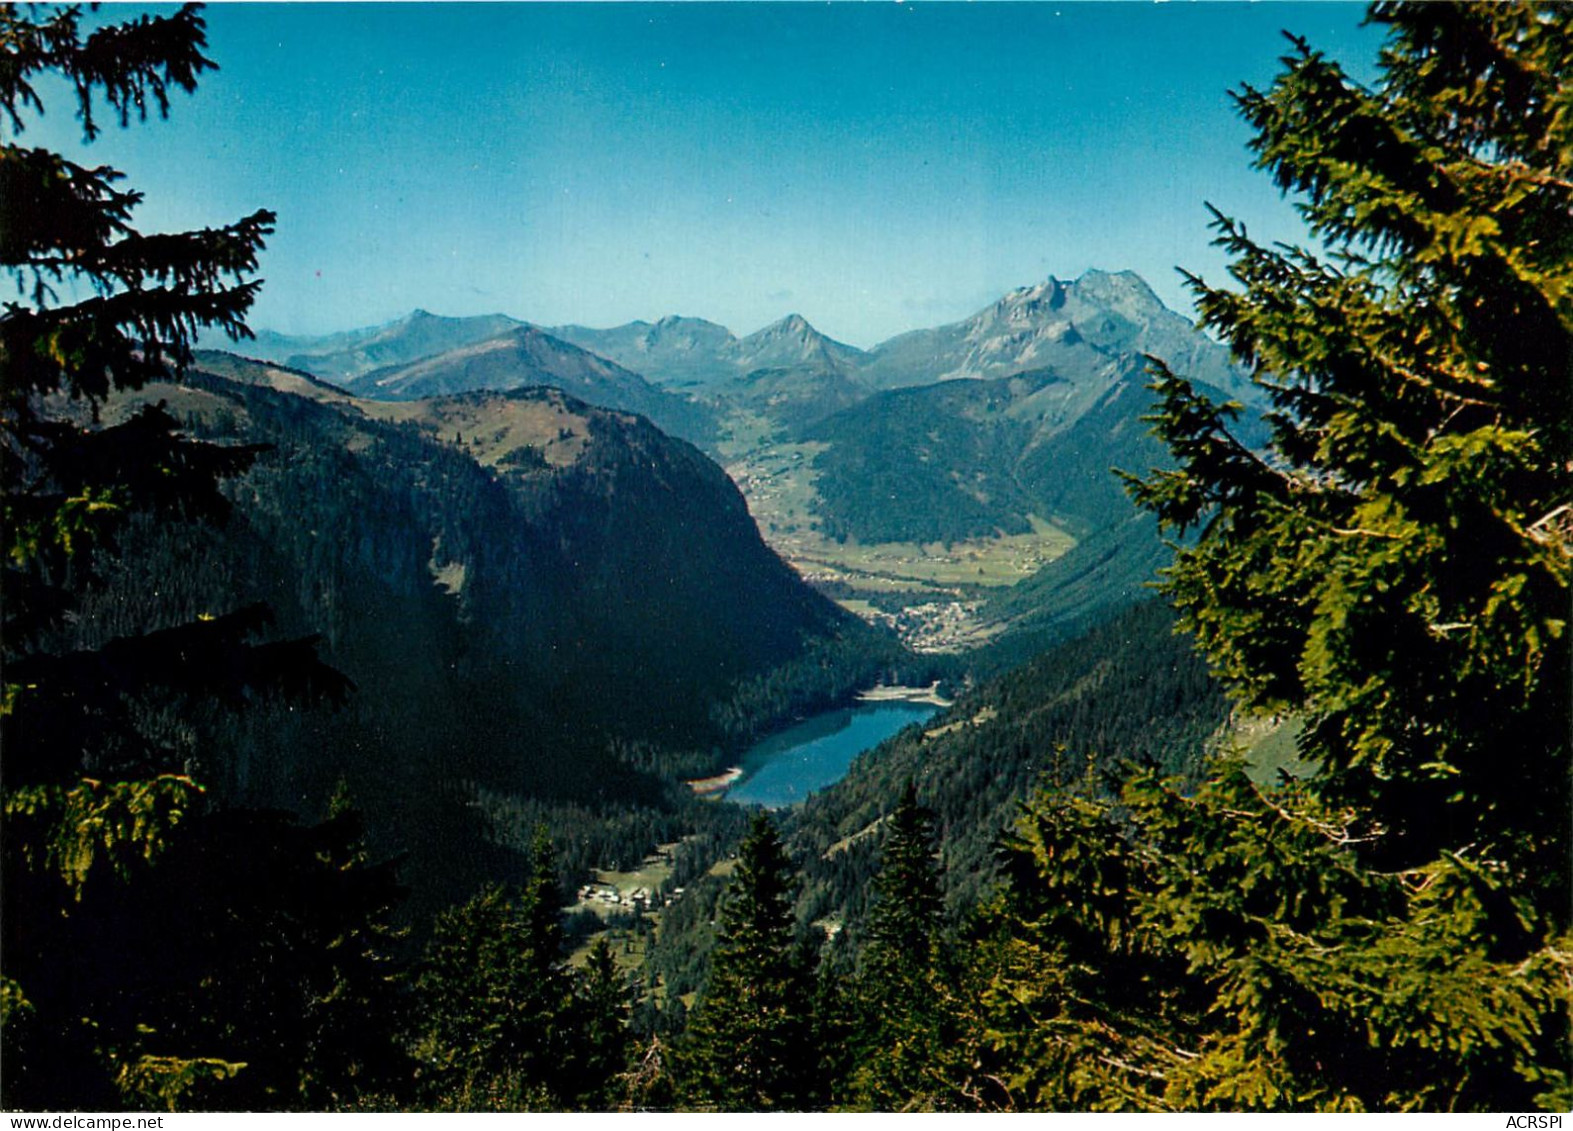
(692, 352)
(676, 351)
(1075, 326)
(1085, 330)
(348, 354)
(1078, 329)
(527, 356)
(427, 355)
(792, 342)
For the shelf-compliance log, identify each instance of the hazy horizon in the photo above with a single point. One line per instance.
(875, 168)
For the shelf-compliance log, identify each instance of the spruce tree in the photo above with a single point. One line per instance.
(905, 922)
(546, 1030)
(602, 1037)
(748, 1041)
(1395, 566)
(249, 966)
(902, 1038)
(493, 1001)
(1395, 570)
(1391, 931)
(104, 308)
(76, 754)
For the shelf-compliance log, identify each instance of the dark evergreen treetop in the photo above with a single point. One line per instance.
(102, 307)
(908, 915)
(68, 224)
(88, 787)
(905, 1049)
(493, 998)
(749, 1036)
(1391, 931)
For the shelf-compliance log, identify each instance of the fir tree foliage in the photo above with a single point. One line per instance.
(601, 1009)
(749, 1044)
(493, 1000)
(90, 794)
(1229, 949)
(1080, 1008)
(1389, 933)
(1334, 986)
(139, 299)
(1395, 565)
(247, 966)
(906, 916)
(67, 224)
(902, 996)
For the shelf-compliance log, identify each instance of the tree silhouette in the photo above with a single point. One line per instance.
(749, 1037)
(105, 309)
(495, 1020)
(1395, 565)
(901, 998)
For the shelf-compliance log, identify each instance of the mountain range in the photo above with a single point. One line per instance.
(1078, 329)
(996, 426)
(348, 354)
(552, 598)
(1084, 331)
(424, 355)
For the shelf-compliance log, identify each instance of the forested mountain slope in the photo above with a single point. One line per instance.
(1130, 691)
(986, 441)
(549, 601)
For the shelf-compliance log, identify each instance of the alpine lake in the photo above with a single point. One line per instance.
(785, 768)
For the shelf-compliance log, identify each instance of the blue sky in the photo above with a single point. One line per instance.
(875, 167)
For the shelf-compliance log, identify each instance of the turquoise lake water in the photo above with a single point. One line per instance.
(786, 767)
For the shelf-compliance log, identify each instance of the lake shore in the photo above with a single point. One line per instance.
(901, 694)
(716, 782)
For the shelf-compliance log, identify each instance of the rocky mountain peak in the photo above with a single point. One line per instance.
(1025, 312)
(792, 341)
(681, 336)
(1124, 292)
(793, 326)
(1028, 301)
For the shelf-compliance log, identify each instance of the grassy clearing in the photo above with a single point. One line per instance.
(628, 947)
(1270, 746)
(724, 868)
(988, 714)
(847, 842)
(777, 479)
(650, 875)
(987, 562)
